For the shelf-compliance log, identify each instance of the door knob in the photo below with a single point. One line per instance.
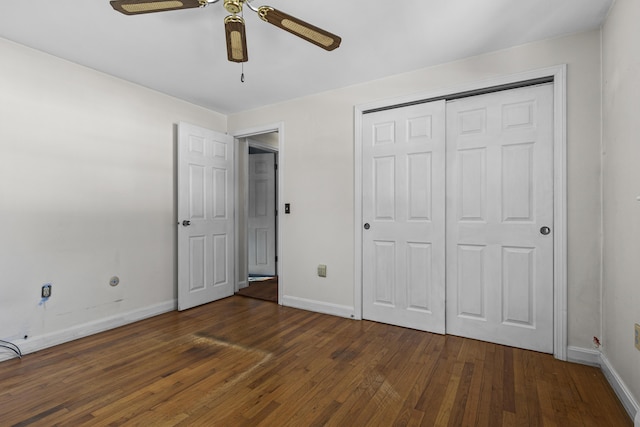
(545, 230)
(366, 226)
(186, 223)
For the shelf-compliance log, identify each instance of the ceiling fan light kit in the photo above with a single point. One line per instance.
(235, 33)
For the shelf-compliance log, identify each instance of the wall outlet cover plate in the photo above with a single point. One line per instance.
(322, 270)
(46, 290)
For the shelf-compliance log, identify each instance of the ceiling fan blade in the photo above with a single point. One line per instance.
(135, 7)
(310, 33)
(236, 39)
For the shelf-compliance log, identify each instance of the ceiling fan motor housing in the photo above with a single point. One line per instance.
(233, 6)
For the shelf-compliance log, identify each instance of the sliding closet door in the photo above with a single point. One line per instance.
(500, 217)
(403, 216)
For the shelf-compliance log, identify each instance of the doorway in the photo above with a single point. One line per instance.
(258, 243)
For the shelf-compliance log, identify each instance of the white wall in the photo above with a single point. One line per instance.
(87, 184)
(621, 144)
(319, 171)
(87, 191)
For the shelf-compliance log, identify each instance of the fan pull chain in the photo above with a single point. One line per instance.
(242, 63)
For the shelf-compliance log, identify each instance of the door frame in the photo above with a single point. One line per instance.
(557, 75)
(248, 133)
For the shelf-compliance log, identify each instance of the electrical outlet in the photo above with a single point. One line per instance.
(46, 290)
(637, 340)
(322, 270)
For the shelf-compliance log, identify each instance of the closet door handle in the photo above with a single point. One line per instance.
(366, 226)
(186, 223)
(545, 230)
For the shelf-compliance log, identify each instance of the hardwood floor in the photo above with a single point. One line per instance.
(264, 289)
(246, 362)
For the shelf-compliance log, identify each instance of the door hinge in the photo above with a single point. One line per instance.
(276, 258)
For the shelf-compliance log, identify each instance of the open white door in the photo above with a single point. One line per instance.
(205, 215)
(403, 206)
(262, 214)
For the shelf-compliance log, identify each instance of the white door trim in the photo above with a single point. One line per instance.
(246, 133)
(558, 73)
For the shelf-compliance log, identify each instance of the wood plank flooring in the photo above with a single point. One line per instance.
(263, 289)
(246, 362)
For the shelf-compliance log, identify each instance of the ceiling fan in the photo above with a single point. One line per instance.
(234, 24)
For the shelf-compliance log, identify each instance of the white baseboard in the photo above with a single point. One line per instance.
(621, 389)
(318, 306)
(596, 358)
(584, 356)
(41, 342)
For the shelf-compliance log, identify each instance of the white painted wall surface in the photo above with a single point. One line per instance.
(87, 191)
(87, 184)
(621, 146)
(319, 171)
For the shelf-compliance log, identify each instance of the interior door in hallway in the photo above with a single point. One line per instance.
(262, 214)
(403, 197)
(500, 217)
(205, 216)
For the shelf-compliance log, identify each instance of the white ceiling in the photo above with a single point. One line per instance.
(183, 53)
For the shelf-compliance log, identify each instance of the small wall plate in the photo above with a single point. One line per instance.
(46, 290)
(322, 270)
